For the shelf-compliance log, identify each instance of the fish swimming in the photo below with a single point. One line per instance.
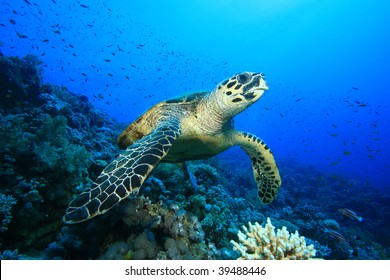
(350, 214)
(335, 235)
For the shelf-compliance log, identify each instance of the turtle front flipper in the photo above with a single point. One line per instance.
(263, 163)
(125, 174)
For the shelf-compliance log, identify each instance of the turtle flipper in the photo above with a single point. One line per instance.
(263, 163)
(188, 174)
(125, 174)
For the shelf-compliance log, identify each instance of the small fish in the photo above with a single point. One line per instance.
(355, 88)
(107, 60)
(350, 214)
(347, 153)
(335, 235)
(22, 36)
(333, 135)
(84, 6)
(299, 99)
(12, 21)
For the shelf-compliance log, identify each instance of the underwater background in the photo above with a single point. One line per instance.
(74, 74)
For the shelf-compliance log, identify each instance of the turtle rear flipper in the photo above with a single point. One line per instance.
(188, 174)
(263, 163)
(125, 174)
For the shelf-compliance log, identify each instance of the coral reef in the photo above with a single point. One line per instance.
(118, 251)
(49, 138)
(263, 243)
(6, 204)
(10, 255)
(20, 80)
(182, 235)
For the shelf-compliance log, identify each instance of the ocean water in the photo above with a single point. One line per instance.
(327, 64)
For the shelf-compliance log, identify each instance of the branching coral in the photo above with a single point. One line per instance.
(204, 173)
(259, 242)
(6, 203)
(54, 150)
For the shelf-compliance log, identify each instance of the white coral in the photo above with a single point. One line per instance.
(262, 243)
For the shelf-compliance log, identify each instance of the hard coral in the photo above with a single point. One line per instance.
(6, 204)
(182, 233)
(262, 243)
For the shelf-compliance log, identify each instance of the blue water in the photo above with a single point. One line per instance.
(327, 64)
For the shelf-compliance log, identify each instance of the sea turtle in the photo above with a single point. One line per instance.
(196, 126)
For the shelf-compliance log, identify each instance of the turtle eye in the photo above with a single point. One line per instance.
(243, 78)
(224, 82)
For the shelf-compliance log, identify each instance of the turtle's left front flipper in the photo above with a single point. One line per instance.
(125, 174)
(263, 163)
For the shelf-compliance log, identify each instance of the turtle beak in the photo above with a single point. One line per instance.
(256, 92)
(263, 84)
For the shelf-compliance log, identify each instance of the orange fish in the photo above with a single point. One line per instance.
(335, 235)
(350, 214)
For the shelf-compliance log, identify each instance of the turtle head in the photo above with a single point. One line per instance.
(240, 91)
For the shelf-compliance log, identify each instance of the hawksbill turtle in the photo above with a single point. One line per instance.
(195, 126)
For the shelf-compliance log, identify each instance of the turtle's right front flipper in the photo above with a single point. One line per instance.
(125, 174)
